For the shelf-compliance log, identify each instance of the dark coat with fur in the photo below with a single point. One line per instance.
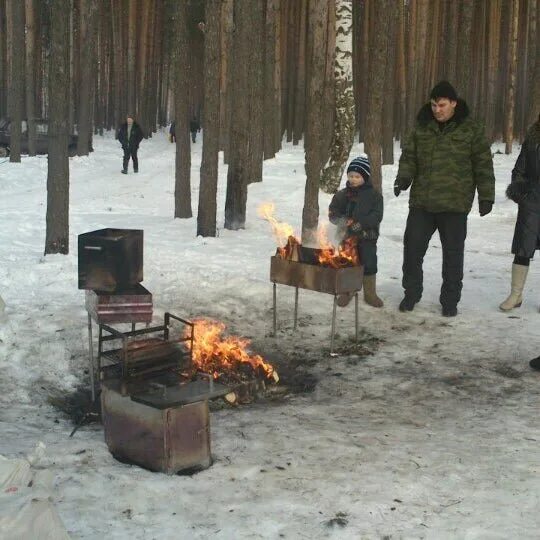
(135, 138)
(447, 166)
(525, 190)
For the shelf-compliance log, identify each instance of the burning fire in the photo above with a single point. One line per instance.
(216, 354)
(282, 231)
(345, 255)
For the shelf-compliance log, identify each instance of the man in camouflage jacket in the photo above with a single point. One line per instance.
(446, 159)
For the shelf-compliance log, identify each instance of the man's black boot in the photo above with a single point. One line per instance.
(535, 363)
(407, 304)
(449, 311)
(124, 171)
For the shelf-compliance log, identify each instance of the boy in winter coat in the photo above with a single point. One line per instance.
(357, 210)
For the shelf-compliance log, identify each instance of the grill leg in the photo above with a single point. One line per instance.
(275, 309)
(356, 316)
(333, 325)
(91, 358)
(295, 307)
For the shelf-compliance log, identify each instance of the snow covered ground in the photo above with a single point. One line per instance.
(435, 435)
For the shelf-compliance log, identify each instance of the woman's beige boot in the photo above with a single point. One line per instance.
(519, 276)
(370, 291)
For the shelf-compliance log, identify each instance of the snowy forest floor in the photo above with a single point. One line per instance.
(430, 428)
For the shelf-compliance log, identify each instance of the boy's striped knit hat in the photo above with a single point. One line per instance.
(360, 165)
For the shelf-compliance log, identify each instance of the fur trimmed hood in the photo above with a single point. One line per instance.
(425, 114)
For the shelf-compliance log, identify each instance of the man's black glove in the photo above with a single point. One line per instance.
(485, 207)
(517, 191)
(401, 184)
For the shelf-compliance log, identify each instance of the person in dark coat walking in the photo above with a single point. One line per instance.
(446, 159)
(194, 126)
(130, 136)
(524, 189)
(357, 210)
(172, 133)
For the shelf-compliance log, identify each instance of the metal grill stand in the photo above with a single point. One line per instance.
(334, 281)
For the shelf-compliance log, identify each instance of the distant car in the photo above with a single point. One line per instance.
(42, 140)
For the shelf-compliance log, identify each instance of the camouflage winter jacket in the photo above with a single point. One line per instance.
(446, 166)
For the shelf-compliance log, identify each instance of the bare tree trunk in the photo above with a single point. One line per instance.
(31, 38)
(464, 49)
(239, 163)
(88, 45)
(16, 87)
(379, 55)
(402, 72)
(272, 107)
(344, 123)
(226, 75)
(3, 60)
(493, 60)
(535, 94)
(206, 216)
(182, 189)
(131, 55)
(315, 155)
(388, 126)
(512, 61)
(256, 66)
(57, 229)
(300, 90)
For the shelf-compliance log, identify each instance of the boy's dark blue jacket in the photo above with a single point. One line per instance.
(362, 204)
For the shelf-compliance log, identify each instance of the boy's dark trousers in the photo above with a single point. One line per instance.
(367, 250)
(131, 152)
(421, 225)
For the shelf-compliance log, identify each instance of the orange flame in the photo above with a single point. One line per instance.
(216, 354)
(281, 230)
(345, 255)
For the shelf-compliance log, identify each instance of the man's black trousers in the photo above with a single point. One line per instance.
(131, 153)
(421, 225)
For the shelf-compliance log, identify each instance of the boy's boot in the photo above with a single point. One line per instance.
(370, 291)
(344, 299)
(519, 276)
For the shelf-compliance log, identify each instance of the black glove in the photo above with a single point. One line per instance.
(517, 191)
(401, 184)
(355, 227)
(485, 207)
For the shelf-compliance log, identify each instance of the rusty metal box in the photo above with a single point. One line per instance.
(315, 277)
(168, 440)
(133, 304)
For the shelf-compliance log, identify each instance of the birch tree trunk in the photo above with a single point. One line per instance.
(344, 123)
(206, 216)
(57, 226)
